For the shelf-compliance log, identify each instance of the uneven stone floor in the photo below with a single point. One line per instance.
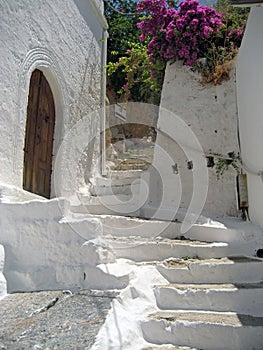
(52, 319)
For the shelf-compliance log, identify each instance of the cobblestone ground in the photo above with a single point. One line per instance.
(52, 319)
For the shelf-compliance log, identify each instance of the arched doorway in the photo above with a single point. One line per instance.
(39, 136)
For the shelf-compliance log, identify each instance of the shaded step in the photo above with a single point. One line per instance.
(246, 298)
(115, 174)
(147, 249)
(224, 270)
(242, 240)
(225, 229)
(125, 186)
(205, 330)
(132, 164)
(167, 347)
(119, 204)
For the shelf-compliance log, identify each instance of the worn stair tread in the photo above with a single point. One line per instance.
(161, 240)
(220, 318)
(212, 286)
(109, 199)
(120, 174)
(184, 263)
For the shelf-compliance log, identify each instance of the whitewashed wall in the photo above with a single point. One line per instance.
(209, 112)
(44, 250)
(3, 289)
(63, 39)
(250, 109)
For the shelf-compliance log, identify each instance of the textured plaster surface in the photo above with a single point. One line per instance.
(45, 251)
(210, 113)
(250, 106)
(62, 39)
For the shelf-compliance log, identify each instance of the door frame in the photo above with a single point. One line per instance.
(39, 136)
(55, 79)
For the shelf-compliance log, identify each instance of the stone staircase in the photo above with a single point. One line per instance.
(211, 301)
(199, 290)
(116, 194)
(210, 291)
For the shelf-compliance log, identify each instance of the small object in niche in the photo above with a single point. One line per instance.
(260, 253)
(210, 162)
(175, 168)
(190, 164)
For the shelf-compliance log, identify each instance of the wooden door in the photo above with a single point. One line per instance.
(39, 136)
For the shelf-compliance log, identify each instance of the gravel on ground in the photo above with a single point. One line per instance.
(52, 319)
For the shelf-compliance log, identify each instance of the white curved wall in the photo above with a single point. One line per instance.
(250, 109)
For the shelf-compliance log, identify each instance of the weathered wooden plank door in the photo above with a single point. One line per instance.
(39, 136)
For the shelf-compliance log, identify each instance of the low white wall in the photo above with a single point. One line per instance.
(193, 113)
(44, 250)
(250, 109)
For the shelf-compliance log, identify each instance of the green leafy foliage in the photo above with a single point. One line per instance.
(222, 163)
(136, 68)
(122, 19)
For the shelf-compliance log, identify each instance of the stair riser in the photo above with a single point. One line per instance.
(105, 181)
(244, 272)
(125, 227)
(203, 336)
(122, 210)
(153, 228)
(159, 252)
(162, 251)
(245, 301)
(113, 190)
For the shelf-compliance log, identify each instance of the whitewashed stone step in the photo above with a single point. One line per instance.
(117, 180)
(205, 330)
(167, 347)
(125, 174)
(125, 186)
(119, 204)
(244, 239)
(223, 270)
(105, 200)
(242, 298)
(146, 249)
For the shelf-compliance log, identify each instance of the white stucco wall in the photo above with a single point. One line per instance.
(250, 109)
(209, 112)
(63, 39)
(2, 277)
(43, 250)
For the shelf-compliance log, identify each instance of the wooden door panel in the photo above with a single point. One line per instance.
(31, 128)
(39, 136)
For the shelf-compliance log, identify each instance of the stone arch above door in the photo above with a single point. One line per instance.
(39, 136)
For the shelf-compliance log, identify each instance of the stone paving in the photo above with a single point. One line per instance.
(52, 319)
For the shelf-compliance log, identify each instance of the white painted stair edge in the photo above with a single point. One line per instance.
(248, 238)
(158, 249)
(246, 299)
(224, 270)
(206, 335)
(122, 328)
